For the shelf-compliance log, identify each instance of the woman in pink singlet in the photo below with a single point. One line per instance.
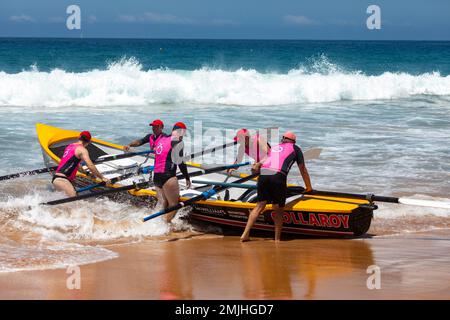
(67, 169)
(169, 156)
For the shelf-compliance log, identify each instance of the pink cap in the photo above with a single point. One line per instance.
(290, 135)
(241, 133)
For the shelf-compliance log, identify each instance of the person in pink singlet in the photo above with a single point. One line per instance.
(157, 127)
(169, 156)
(68, 167)
(272, 182)
(256, 147)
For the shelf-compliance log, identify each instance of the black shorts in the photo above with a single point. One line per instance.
(159, 179)
(61, 177)
(272, 188)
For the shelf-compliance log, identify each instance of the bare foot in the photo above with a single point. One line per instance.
(245, 239)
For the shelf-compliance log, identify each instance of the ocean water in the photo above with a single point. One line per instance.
(379, 110)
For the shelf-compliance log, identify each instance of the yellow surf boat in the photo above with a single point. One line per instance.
(304, 215)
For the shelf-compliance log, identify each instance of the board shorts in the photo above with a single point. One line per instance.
(159, 179)
(272, 188)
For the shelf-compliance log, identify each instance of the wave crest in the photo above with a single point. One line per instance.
(124, 82)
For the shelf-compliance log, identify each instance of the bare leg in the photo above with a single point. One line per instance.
(278, 221)
(161, 197)
(252, 219)
(65, 186)
(171, 191)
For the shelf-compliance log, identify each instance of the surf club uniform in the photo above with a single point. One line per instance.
(69, 163)
(165, 167)
(272, 185)
(151, 139)
(253, 151)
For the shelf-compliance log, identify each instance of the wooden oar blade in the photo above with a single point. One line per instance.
(312, 154)
(425, 203)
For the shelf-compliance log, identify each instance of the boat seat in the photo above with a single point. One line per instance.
(119, 164)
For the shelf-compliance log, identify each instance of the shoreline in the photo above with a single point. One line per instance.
(412, 266)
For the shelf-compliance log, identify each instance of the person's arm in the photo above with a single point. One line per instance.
(184, 171)
(137, 143)
(305, 176)
(179, 146)
(84, 155)
(239, 157)
(263, 148)
(302, 167)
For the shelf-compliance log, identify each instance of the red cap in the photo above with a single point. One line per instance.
(179, 125)
(241, 133)
(86, 135)
(157, 122)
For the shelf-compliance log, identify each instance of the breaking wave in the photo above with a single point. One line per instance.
(125, 83)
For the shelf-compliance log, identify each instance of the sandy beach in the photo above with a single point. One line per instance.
(191, 266)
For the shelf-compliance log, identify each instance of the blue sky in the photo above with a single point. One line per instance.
(243, 19)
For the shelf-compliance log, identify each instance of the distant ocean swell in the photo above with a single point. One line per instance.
(126, 83)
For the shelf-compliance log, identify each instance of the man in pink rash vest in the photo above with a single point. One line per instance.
(256, 147)
(169, 155)
(67, 169)
(157, 127)
(272, 182)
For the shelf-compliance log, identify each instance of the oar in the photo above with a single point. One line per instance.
(27, 173)
(206, 151)
(226, 184)
(148, 169)
(101, 184)
(214, 169)
(122, 156)
(96, 194)
(226, 145)
(44, 170)
(370, 197)
(203, 196)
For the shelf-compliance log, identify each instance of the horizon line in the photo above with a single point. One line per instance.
(222, 39)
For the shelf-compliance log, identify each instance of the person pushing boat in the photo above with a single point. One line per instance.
(169, 155)
(256, 147)
(272, 182)
(151, 138)
(68, 167)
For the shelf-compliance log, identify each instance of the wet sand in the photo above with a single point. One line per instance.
(414, 266)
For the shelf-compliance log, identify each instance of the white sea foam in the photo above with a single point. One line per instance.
(126, 83)
(36, 237)
(99, 219)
